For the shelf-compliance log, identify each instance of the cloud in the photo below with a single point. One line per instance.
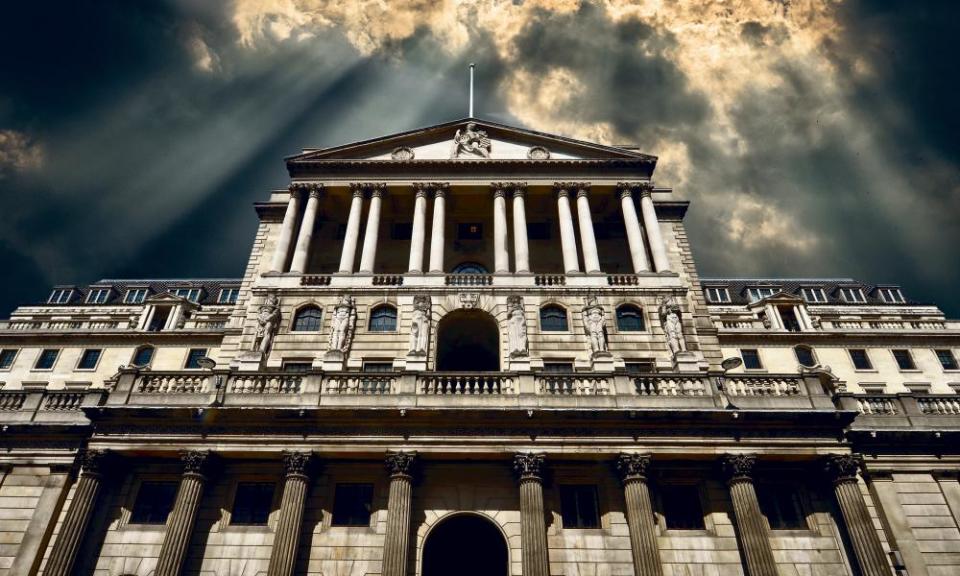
(18, 152)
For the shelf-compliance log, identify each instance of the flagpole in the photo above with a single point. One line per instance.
(472, 66)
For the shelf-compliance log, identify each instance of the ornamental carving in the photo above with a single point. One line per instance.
(400, 463)
(471, 142)
(538, 153)
(738, 467)
(402, 153)
(633, 466)
(517, 328)
(529, 466)
(342, 326)
(197, 462)
(311, 188)
(297, 463)
(842, 467)
(420, 326)
(93, 462)
(268, 320)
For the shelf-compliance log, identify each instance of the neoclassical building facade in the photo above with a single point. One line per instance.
(477, 349)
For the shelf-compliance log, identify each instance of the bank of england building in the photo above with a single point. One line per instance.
(478, 349)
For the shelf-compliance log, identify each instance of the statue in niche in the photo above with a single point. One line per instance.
(471, 142)
(672, 326)
(342, 325)
(420, 326)
(596, 326)
(268, 320)
(516, 328)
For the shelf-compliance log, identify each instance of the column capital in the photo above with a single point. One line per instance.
(529, 466)
(624, 190)
(583, 189)
(563, 188)
(645, 189)
(440, 189)
(499, 189)
(420, 189)
(314, 189)
(357, 189)
(378, 189)
(197, 462)
(519, 189)
(400, 463)
(93, 462)
(298, 464)
(633, 467)
(842, 468)
(739, 467)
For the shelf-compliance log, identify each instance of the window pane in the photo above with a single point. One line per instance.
(681, 507)
(297, 366)
(641, 367)
(378, 366)
(629, 319)
(946, 358)
(781, 506)
(789, 317)
(578, 507)
(561, 367)
(47, 359)
(6, 358)
(154, 502)
(143, 356)
(751, 359)
(805, 356)
(194, 356)
(553, 319)
(89, 359)
(135, 296)
(352, 504)
(308, 320)
(904, 359)
(383, 319)
(252, 503)
(228, 296)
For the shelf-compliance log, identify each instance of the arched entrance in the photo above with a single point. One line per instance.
(465, 545)
(468, 341)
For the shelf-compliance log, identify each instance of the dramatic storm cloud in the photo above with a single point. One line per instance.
(815, 138)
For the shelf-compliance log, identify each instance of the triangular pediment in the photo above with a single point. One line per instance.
(778, 298)
(472, 139)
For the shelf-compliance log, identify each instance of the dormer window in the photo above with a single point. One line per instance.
(891, 295)
(717, 295)
(228, 296)
(60, 296)
(759, 293)
(191, 294)
(852, 295)
(135, 296)
(98, 295)
(814, 295)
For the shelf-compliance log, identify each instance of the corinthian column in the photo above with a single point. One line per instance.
(302, 252)
(196, 466)
(533, 529)
(521, 251)
(591, 260)
(286, 231)
(638, 252)
(418, 233)
(754, 542)
(353, 230)
(643, 533)
(842, 469)
(568, 239)
(436, 231)
(283, 555)
(650, 222)
(397, 540)
(65, 548)
(500, 256)
(369, 255)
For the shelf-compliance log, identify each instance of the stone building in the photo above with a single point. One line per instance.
(475, 349)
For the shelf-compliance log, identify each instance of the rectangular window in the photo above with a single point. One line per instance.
(640, 367)
(252, 503)
(135, 296)
(60, 296)
(904, 359)
(891, 295)
(751, 358)
(191, 294)
(194, 356)
(538, 230)
(378, 366)
(297, 366)
(860, 359)
(352, 504)
(7, 356)
(89, 359)
(154, 502)
(98, 295)
(228, 296)
(946, 358)
(469, 231)
(558, 367)
(781, 505)
(718, 295)
(789, 317)
(852, 295)
(814, 295)
(47, 359)
(805, 356)
(401, 231)
(757, 294)
(159, 318)
(682, 509)
(578, 507)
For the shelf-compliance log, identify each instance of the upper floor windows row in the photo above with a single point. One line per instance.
(859, 357)
(810, 294)
(137, 295)
(90, 358)
(309, 318)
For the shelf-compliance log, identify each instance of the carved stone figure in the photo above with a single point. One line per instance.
(420, 326)
(596, 326)
(516, 328)
(268, 320)
(342, 325)
(470, 143)
(672, 326)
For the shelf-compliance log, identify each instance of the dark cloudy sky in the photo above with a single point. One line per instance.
(814, 138)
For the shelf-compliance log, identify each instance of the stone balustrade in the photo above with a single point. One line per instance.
(762, 386)
(904, 410)
(465, 383)
(265, 383)
(360, 383)
(468, 279)
(573, 384)
(48, 406)
(64, 325)
(668, 385)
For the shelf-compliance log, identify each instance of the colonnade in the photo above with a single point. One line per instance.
(640, 239)
(530, 471)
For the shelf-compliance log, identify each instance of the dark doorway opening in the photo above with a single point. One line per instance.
(465, 545)
(468, 341)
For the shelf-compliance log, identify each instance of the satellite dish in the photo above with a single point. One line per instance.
(731, 363)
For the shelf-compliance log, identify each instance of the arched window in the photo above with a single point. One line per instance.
(307, 319)
(470, 268)
(142, 356)
(805, 356)
(630, 319)
(553, 318)
(383, 319)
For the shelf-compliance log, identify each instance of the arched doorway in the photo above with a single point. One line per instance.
(465, 545)
(468, 341)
